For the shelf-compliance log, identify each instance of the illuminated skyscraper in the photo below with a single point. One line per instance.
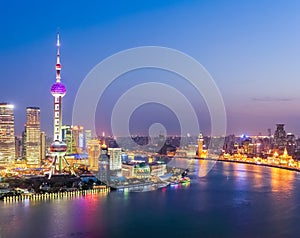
(103, 165)
(88, 137)
(7, 134)
(73, 137)
(291, 143)
(115, 162)
(280, 137)
(68, 138)
(78, 136)
(33, 141)
(18, 147)
(43, 145)
(24, 144)
(93, 150)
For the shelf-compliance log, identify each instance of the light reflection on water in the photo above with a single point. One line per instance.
(236, 198)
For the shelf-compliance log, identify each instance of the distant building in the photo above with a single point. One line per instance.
(247, 145)
(200, 145)
(280, 137)
(78, 137)
(7, 134)
(269, 132)
(115, 162)
(75, 138)
(88, 137)
(19, 147)
(69, 139)
(291, 144)
(202, 153)
(229, 144)
(158, 169)
(24, 144)
(77, 161)
(125, 158)
(33, 136)
(142, 171)
(136, 170)
(191, 151)
(103, 165)
(128, 170)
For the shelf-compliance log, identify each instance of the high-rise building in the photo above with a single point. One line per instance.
(88, 137)
(19, 147)
(74, 138)
(280, 137)
(291, 143)
(7, 134)
(103, 165)
(68, 138)
(24, 144)
(115, 162)
(33, 140)
(78, 136)
(43, 145)
(93, 150)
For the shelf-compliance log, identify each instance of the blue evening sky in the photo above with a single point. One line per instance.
(251, 49)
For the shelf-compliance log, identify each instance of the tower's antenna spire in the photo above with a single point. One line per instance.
(58, 66)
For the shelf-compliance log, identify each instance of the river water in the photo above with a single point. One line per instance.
(233, 200)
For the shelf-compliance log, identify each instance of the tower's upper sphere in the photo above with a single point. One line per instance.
(58, 89)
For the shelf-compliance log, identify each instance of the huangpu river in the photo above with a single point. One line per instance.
(233, 200)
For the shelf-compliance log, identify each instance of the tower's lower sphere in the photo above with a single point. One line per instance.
(58, 146)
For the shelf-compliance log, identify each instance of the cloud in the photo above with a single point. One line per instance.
(272, 99)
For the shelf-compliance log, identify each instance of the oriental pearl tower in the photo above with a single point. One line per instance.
(58, 147)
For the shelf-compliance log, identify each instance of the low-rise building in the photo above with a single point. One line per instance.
(136, 170)
(158, 168)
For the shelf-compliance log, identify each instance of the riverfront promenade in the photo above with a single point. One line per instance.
(55, 195)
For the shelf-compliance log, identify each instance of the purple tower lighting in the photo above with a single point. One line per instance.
(58, 148)
(58, 91)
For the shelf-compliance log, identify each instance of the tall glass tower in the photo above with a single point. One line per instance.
(33, 140)
(7, 134)
(280, 137)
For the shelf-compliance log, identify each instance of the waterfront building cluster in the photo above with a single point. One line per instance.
(72, 151)
(264, 145)
(280, 149)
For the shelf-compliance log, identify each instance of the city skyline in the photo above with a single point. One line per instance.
(149, 118)
(256, 70)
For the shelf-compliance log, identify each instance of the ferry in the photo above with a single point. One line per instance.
(185, 180)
